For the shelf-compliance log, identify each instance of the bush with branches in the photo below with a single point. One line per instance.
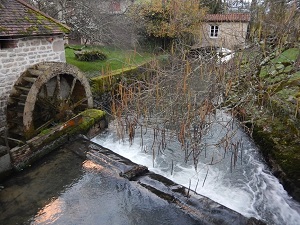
(90, 55)
(168, 20)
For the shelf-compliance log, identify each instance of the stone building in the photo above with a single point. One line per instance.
(225, 30)
(27, 37)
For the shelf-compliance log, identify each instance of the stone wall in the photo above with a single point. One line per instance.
(18, 57)
(231, 35)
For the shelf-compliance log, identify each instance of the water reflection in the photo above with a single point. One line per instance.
(25, 194)
(66, 189)
(101, 196)
(91, 166)
(50, 213)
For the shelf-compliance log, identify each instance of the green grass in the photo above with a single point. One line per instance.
(287, 58)
(116, 59)
(289, 55)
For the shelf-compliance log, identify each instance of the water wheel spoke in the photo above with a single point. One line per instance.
(44, 125)
(57, 92)
(72, 107)
(71, 89)
(45, 91)
(46, 103)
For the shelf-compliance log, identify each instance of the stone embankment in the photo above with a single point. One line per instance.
(271, 107)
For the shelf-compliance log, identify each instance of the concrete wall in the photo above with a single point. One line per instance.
(231, 35)
(22, 54)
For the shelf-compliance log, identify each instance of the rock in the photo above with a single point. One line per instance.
(3, 150)
(279, 66)
(292, 99)
(136, 171)
(267, 59)
(253, 221)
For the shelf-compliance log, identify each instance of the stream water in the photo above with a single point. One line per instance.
(64, 188)
(249, 188)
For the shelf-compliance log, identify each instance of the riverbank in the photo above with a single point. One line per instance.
(266, 98)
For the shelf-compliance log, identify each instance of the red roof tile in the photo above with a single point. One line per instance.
(232, 17)
(18, 18)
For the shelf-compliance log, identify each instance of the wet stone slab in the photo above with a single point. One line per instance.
(84, 183)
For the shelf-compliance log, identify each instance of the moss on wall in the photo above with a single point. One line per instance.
(108, 82)
(279, 142)
(52, 138)
(276, 121)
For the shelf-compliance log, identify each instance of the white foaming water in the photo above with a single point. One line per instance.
(249, 188)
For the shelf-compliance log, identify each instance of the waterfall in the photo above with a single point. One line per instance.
(249, 188)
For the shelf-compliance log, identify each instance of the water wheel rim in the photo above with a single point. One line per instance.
(53, 70)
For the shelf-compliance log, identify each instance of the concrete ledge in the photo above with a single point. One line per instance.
(200, 208)
(5, 165)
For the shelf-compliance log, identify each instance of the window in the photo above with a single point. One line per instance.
(214, 30)
(8, 44)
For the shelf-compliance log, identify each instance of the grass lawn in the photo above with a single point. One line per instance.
(116, 59)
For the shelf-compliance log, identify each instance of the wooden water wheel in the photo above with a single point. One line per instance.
(44, 95)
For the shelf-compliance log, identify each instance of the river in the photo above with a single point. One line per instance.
(65, 188)
(249, 188)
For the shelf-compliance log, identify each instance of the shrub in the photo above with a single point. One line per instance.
(90, 55)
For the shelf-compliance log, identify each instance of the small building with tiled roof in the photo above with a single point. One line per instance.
(232, 17)
(225, 30)
(19, 19)
(27, 37)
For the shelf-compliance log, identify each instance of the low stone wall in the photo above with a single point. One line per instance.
(272, 110)
(21, 54)
(281, 153)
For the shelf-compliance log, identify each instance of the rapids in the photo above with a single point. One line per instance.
(249, 188)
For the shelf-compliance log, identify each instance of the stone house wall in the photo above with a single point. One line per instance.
(231, 35)
(14, 60)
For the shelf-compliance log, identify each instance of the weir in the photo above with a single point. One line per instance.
(106, 189)
(249, 188)
(83, 181)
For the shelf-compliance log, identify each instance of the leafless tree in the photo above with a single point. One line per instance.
(93, 21)
(179, 100)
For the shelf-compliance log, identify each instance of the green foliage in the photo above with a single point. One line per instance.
(214, 6)
(289, 56)
(109, 82)
(46, 131)
(90, 55)
(116, 59)
(280, 64)
(273, 107)
(172, 19)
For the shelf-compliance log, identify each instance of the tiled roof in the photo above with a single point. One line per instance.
(18, 18)
(232, 17)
